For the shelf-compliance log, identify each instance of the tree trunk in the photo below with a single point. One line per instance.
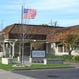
(70, 52)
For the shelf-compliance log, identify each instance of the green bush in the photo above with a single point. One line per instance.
(75, 58)
(67, 57)
(50, 56)
(64, 57)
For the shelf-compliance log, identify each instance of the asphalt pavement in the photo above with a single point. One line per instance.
(10, 75)
(65, 73)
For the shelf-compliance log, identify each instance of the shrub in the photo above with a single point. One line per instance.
(50, 56)
(67, 57)
(75, 58)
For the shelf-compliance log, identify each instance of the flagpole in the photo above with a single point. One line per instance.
(21, 47)
(22, 33)
(22, 14)
(22, 36)
(30, 15)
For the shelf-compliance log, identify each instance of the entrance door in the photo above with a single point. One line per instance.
(27, 49)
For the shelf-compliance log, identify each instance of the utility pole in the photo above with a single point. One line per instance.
(55, 24)
(51, 22)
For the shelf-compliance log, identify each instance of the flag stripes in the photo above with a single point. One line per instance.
(29, 13)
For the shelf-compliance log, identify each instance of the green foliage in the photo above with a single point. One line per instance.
(67, 57)
(49, 56)
(71, 42)
(64, 57)
(45, 25)
(75, 58)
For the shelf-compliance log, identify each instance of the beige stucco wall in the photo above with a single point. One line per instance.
(55, 48)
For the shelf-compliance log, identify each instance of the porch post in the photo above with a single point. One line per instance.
(13, 46)
(47, 48)
(30, 59)
(13, 50)
(3, 48)
(20, 57)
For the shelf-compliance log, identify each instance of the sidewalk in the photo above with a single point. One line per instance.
(9, 75)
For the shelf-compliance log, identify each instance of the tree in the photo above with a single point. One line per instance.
(71, 42)
(45, 25)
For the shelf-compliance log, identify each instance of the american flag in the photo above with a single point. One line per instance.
(29, 13)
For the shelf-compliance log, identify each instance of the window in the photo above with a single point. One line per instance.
(60, 48)
(65, 49)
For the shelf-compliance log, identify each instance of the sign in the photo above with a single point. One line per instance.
(37, 53)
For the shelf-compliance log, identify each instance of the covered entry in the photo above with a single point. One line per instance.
(21, 40)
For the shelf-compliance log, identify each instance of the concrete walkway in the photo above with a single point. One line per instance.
(9, 75)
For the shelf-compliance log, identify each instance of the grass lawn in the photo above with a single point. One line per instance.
(34, 66)
(42, 66)
(10, 67)
(6, 67)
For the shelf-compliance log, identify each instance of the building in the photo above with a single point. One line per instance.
(17, 38)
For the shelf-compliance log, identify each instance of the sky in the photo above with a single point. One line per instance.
(64, 12)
